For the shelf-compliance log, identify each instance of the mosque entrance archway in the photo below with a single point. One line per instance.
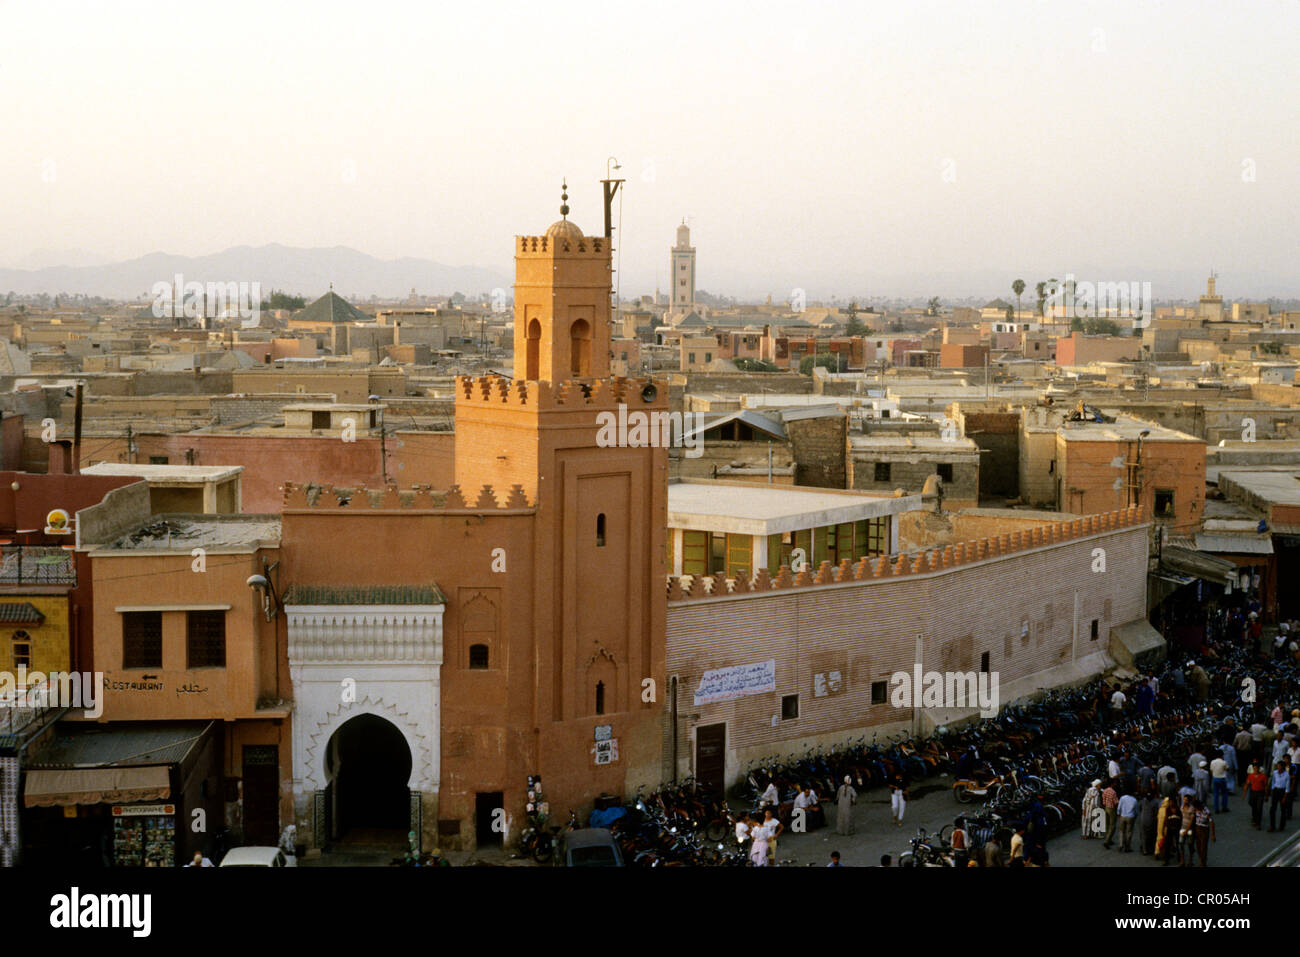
(369, 764)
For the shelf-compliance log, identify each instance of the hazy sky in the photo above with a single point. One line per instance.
(841, 147)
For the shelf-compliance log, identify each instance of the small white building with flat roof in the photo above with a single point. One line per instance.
(184, 489)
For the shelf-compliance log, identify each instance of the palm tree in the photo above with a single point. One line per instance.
(1018, 287)
(1042, 297)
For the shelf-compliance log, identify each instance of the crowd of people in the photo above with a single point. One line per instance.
(1166, 813)
(1171, 809)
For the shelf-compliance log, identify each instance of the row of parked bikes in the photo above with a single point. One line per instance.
(1033, 757)
(1057, 774)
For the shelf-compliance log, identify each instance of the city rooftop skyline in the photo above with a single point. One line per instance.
(843, 150)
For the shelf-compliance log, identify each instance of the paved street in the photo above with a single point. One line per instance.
(933, 806)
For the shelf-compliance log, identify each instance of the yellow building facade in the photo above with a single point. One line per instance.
(36, 634)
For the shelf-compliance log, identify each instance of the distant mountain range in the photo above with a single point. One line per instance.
(304, 272)
(309, 272)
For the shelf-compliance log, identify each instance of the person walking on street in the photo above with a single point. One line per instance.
(1290, 794)
(1167, 827)
(1127, 811)
(1148, 810)
(1242, 745)
(1146, 697)
(959, 842)
(1018, 847)
(1279, 786)
(1203, 822)
(1128, 766)
(743, 829)
(1200, 681)
(1186, 839)
(1091, 801)
(773, 826)
(1257, 740)
(992, 852)
(758, 851)
(1219, 783)
(1201, 781)
(845, 798)
(1253, 790)
(1110, 803)
(1280, 747)
(1168, 781)
(898, 798)
(1146, 777)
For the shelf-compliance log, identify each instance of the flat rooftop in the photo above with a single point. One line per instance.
(166, 473)
(755, 509)
(181, 533)
(1277, 487)
(912, 443)
(332, 407)
(1121, 430)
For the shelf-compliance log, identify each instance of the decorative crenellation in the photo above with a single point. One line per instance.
(608, 393)
(594, 245)
(683, 587)
(419, 498)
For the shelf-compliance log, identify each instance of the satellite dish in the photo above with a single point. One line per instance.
(649, 393)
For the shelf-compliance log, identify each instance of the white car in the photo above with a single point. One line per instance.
(258, 857)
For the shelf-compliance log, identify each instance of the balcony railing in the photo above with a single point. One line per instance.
(37, 565)
(18, 709)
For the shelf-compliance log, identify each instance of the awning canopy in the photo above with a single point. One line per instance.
(64, 787)
(1186, 561)
(1234, 544)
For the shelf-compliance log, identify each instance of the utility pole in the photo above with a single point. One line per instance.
(76, 431)
(609, 187)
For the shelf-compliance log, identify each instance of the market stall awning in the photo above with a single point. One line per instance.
(64, 787)
(1234, 544)
(1187, 561)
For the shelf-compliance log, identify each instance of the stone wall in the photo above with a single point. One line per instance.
(819, 446)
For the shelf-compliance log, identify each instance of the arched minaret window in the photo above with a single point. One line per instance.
(600, 529)
(533, 344)
(600, 697)
(580, 348)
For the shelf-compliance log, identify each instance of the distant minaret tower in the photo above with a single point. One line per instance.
(681, 294)
(1211, 305)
